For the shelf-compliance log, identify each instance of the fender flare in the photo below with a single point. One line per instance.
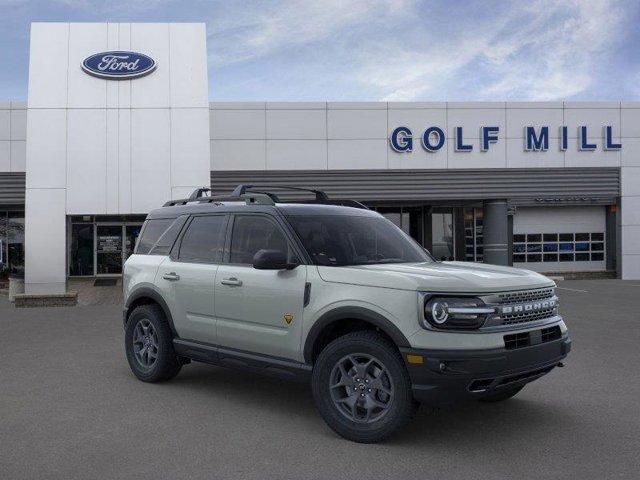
(148, 292)
(356, 313)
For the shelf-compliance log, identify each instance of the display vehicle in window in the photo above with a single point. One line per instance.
(335, 294)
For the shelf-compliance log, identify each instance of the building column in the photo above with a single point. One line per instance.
(495, 233)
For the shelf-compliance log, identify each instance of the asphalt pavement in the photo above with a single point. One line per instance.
(71, 409)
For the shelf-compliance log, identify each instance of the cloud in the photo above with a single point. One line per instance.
(263, 28)
(542, 51)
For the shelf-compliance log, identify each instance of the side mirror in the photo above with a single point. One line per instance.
(272, 260)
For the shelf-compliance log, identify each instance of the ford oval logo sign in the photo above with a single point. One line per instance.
(118, 65)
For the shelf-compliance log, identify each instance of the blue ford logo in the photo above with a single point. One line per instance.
(118, 65)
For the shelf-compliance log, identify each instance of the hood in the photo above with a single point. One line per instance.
(442, 277)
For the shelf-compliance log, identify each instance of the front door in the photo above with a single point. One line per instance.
(259, 310)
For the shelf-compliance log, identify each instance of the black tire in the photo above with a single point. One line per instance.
(400, 406)
(501, 395)
(166, 365)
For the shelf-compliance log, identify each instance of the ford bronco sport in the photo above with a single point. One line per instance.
(334, 293)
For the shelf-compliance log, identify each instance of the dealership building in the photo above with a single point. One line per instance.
(118, 121)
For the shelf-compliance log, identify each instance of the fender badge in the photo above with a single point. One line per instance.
(288, 318)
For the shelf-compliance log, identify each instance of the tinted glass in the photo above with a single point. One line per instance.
(203, 241)
(352, 240)
(151, 233)
(168, 238)
(252, 233)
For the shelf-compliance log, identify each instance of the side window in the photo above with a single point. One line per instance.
(151, 233)
(203, 242)
(252, 233)
(167, 239)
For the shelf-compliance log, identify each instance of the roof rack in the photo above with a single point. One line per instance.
(251, 195)
(321, 197)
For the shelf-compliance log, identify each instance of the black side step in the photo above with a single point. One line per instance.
(225, 357)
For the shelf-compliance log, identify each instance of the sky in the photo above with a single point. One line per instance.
(377, 50)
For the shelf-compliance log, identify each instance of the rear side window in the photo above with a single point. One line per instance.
(168, 238)
(151, 232)
(203, 242)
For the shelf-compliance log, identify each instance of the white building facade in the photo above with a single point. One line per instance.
(551, 186)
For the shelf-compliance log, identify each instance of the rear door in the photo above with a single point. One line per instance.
(259, 311)
(187, 277)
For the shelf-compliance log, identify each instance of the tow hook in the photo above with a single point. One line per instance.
(560, 364)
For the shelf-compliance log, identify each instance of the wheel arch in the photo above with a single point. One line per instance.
(355, 318)
(146, 296)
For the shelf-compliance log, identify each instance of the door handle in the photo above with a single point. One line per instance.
(173, 276)
(232, 282)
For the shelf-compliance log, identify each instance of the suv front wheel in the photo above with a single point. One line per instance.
(149, 345)
(361, 387)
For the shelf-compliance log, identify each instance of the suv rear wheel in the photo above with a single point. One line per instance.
(361, 387)
(149, 345)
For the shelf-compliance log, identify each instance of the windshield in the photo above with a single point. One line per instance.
(339, 240)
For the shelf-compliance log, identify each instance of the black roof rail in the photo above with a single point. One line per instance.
(251, 194)
(321, 197)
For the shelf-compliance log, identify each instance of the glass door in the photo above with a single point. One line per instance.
(109, 240)
(130, 238)
(442, 234)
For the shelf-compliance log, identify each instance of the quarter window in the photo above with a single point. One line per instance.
(203, 242)
(151, 233)
(252, 233)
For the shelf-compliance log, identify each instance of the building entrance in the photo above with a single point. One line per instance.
(100, 246)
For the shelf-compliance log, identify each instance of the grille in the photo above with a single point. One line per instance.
(525, 296)
(517, 340)
(535, 337)
(513, 318)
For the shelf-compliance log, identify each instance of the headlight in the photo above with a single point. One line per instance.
(455, 312)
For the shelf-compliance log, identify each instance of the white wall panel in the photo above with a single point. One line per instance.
(86, 161)
(418, 120)
(357, 154)
(190, 155)
(238, 124)
(518, 118)
(418, 158)
(124, 161)
(495, 157)
(592, 118)
(150, 158)
(124, 86)
(296, 154)
(18, 124)
(630, 267)
(238, 155)
(357, 124)
(5, 156)
(630, 181)
(598, 158)
(152, 91)
(47, 148)
(5, 124)
(630, 120)
(113, 43)
(86, 91)
(631, 239)
(18, 156)
(48, 62)
(630, 211)
(472, 119)
(630, 153)
(111, 162)
(45, 240)
(188, 56)
(296, 124)
(517, 157)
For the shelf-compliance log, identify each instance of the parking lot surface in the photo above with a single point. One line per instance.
(71, 409)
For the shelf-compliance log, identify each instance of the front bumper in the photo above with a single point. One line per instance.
(449, 376)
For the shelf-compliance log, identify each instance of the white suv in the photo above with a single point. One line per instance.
(337, 295)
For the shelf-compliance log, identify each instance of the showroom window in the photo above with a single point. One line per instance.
(11, 242)
(558, 247)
